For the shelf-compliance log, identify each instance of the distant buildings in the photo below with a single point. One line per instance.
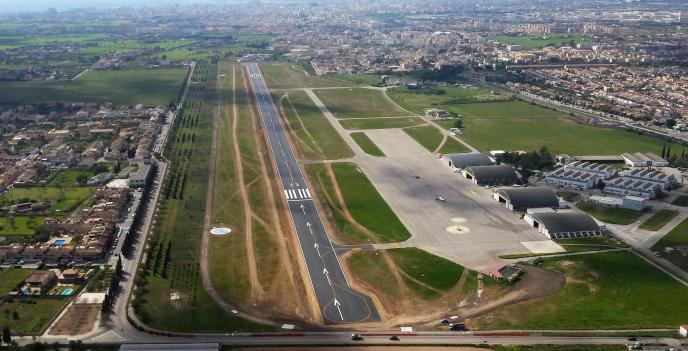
(644, 160)
(580, 175)
(491, 175)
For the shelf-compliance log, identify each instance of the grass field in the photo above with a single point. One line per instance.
(363, 202)
(284, 76)
(150, 87)
(682, 201)
(418, 100)
(370, 267)
(176, 237)
(317, 137)
(11, 277)
(358, 103)
(559, 135)
(357, 79)
(659, 219)
(366, 144)
(431, 138)
(33, 314)
(68, 177)
(430, 270)
(610, 215)
(20, 225)
(63, 200)
(380, 123)
(677, 239)
(609, 290)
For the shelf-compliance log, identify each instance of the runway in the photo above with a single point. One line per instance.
(339, 303)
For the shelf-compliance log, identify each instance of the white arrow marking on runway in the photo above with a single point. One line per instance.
(317, 248)
(303, 208)
(336, 303)
(327, 275)
(308, 224)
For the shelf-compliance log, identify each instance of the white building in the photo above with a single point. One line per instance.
(631, 202)
(580, 175)
(644, 160)
(683, 330)
(634, 187)
(665, 181)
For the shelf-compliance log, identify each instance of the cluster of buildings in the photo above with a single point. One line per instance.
(640, 93)
(640, 182)
(80, 239)
(540, 206)
(43, 281)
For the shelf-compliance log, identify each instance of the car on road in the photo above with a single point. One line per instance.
(356, 337)
(394, 338)
(439, 198)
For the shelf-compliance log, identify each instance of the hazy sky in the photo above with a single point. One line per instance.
(43, 5)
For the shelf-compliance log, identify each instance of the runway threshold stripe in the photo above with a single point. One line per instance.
(308, 193)
(286, 193)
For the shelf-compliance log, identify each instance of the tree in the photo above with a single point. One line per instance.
(82, 179)
(668, 152)
(663, 151)
(458, 123)
(6, 335)
(118, 266)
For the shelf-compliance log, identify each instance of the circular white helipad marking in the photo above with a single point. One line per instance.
(458, 229)
(220, 231)
(458, 220)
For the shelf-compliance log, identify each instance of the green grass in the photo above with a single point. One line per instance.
(20, 225)
(659, 219)
(610, 290)
(431, 138)
(559, 135)
(681, 201)
(357, 79)
(284, 76)
(434, 271)
(68, 177)
(381, 123)
(33, 317)
(676, 238)
(11, 277)
(150, 87)
(358, 103)
(370, 267)
(317, 137)
(610, 215)
(418, 100)
(534, 42)
(366, 205)
(63, 200)
(366, 144)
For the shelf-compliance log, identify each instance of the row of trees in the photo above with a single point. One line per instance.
(529, 162)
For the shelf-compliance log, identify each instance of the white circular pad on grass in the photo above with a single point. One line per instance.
(220, 231)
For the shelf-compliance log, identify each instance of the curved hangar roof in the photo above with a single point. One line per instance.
(525, 198)
(566, 222)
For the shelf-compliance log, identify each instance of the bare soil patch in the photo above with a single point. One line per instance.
(79, 319)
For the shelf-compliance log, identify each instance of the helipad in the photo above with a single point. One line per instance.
(220, 231)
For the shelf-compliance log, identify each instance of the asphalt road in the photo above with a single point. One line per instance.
(339, 303)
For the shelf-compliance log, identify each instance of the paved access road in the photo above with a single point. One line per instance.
(339, 303)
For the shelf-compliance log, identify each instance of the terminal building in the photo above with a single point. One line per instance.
(580, 175)
(491, 175)
(563, 225)
(521, 199)
(468, 159)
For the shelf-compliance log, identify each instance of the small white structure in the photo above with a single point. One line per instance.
(644, 160)
(683, 330)
(636, 203)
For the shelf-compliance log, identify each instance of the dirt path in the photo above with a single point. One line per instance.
(439, 147)
(256, 289)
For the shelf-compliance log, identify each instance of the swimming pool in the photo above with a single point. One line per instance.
(59, 242)
(67, 292)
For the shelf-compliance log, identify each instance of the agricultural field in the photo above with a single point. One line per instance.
(535, 42)
(150, 87)
(677, 239)
(284, 76)
(358, 103)
(63, 200)
(361, 201)
(380, 123)
(610, 215)
(317, 138)
(366, 144)
(659, 219)
(29, 315)
(433, 140)
(441, 97)
(607, 290)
